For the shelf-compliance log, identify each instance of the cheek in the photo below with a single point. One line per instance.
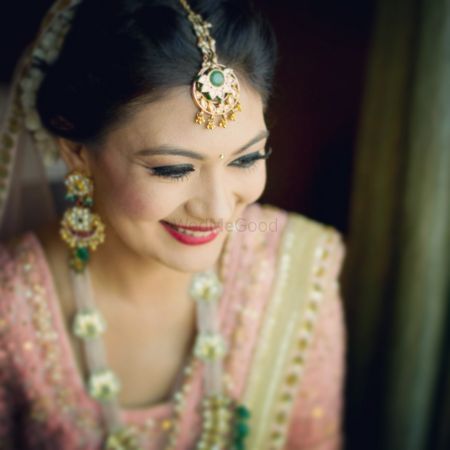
(130, 201)
(254, 185)
(130, 195)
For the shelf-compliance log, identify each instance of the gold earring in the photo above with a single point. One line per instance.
(81, 229)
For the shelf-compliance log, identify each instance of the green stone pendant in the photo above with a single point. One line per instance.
(83, 253)
(217, 78)
(79, 259)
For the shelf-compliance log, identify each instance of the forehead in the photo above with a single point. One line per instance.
(170, 120)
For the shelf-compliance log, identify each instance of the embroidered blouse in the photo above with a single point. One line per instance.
(43, 400)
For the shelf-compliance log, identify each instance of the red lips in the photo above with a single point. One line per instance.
(188, 239)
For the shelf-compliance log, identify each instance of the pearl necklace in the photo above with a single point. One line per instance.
(224, 422)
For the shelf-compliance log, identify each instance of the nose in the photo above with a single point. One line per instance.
(212, 201)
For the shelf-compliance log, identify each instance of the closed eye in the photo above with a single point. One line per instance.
(177, 172)
(250, 159)
(182, 171)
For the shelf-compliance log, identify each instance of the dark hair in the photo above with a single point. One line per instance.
(122, 53)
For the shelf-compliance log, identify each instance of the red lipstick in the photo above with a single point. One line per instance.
(189, 239)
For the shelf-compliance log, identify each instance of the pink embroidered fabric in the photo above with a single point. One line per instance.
(43, 401)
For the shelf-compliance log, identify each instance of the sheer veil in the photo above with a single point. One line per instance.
(29, 203)
(29, 168)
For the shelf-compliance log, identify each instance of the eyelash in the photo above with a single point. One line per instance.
(181, 172)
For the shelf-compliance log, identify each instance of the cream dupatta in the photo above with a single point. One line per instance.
(305, 274)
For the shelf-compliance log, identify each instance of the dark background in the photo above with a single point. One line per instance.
(317, 96)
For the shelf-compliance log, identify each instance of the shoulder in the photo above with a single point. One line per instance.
(18, 257)
(14, 312)
(265, 211)
(14, 254)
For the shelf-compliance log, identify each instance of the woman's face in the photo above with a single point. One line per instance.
(161, 166)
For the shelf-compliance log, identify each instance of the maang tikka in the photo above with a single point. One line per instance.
(81, 229)
(215, 89)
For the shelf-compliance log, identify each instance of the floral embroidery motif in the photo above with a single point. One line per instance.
(304, 338)
(248, 289)
(49, 348)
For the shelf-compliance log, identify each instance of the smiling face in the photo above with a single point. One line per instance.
(160, 166)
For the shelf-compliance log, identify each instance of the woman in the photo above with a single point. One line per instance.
(166, 308)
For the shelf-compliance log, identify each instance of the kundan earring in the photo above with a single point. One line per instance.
(81, 229)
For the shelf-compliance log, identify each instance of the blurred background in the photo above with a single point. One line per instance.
(360, 122)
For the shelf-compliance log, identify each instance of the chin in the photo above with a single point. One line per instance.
(192, 265)
(195, 258)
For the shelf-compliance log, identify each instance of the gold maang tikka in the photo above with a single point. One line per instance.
(215, 89)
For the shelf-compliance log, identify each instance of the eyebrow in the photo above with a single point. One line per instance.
(170, 150)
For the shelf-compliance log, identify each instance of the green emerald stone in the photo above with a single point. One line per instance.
(241, 430)
(217, 78)
(239, 445)
(71, 198)
(83, 253)
(243, 412)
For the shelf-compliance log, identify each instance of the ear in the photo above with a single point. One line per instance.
(75, 155)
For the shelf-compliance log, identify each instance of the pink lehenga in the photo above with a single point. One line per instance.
(280, 312)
